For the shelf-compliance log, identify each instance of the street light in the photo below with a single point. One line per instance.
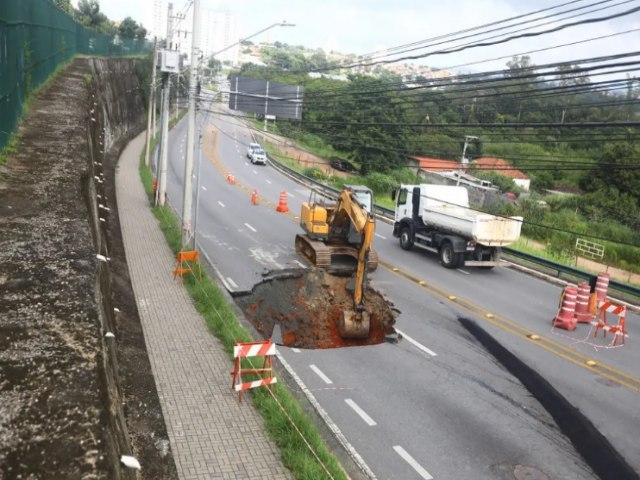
(281, 24)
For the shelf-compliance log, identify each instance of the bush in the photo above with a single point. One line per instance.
(380, 183)
(316, 174)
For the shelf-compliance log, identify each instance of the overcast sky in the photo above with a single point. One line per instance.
(364, 26)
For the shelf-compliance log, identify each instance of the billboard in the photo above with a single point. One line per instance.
(266, 97)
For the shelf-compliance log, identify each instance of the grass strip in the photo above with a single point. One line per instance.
(223, 323)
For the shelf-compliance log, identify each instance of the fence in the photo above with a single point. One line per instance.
(35, 38)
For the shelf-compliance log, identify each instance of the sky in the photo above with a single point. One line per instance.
(365, 26)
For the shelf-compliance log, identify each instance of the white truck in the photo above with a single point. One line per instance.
(437, 218)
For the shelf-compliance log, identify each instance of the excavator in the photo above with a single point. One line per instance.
(336, 234)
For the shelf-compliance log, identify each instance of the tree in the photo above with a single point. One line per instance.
(607, 174)
(129, 28)
(90, 16)
(64, 5)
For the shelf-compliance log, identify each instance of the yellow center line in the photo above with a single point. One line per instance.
(518, 330)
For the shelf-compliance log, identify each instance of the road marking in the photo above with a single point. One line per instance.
(319, 372)
(360, 412)
(296, 350)
(204, 188)
(417, 344)
(290, 195)
(255, 172)
(220, 203)
(269, 182)
(463, 271)
(250, 228)
(231, 282)
(299, 263)
(380, 236)
(411, 461)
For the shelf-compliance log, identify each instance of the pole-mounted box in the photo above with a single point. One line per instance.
(169, 61)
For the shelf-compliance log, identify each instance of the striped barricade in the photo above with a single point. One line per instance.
(619, 330)
(266, 349)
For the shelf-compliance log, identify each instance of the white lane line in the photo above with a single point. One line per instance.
(417, 344)
(250, 227)
(360, 412)
(204, 188)
(297, 350)
(463, 271)
(302, 265)
(411, 461)
(320, 373)
(380, 236)
(290, 195)
(220, 203)
(327, 419)
(269, 182)
(231, 282)
(255, 172)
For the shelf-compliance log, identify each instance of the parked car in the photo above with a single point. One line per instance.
(258, 155)
(252, 147)
(343, 165)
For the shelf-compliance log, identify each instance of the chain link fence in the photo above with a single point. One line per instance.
(36, 37)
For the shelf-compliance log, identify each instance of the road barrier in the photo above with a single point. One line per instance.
(184, 263)
(583, 315)
(619, 330)
(254, 197)
(266, 349)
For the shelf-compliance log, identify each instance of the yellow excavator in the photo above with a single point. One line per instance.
(336, 234)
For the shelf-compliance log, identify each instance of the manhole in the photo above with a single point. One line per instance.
(526, 472)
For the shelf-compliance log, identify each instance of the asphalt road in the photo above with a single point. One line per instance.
(436, 404)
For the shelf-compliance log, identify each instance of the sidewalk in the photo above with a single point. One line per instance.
(212, 434)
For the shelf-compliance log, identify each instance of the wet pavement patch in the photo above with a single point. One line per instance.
(304, 307)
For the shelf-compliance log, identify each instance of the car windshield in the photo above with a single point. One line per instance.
(259, 151)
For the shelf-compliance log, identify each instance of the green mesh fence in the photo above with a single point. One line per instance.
(35, 37)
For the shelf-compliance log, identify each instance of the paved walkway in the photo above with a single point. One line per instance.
(213, 436)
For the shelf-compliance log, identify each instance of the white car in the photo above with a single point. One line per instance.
(252, 147)
(258, 155)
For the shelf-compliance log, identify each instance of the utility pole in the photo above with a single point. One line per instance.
(152, 104)
(188, 166)
(162, 183)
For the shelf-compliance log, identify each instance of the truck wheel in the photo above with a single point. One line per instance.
(448, 257)
(405, 239)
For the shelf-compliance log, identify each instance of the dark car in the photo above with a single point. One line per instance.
(343, 165)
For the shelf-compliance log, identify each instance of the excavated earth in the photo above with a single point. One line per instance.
(304, 306)
(73, 400)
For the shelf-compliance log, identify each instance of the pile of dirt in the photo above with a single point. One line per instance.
(307, 304)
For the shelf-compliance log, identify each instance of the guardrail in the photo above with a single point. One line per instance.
(388, 214)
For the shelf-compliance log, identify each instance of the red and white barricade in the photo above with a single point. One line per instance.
(266, 349)
(565, 318)
(619, 330)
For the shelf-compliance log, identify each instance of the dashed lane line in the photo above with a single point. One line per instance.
(321, 374)
(380, 236)
(220, 203)
(417, 344)
(368, 420)
(250, 227)
(412, 461)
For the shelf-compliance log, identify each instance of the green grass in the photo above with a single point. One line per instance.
(223, 323)
(12, 142)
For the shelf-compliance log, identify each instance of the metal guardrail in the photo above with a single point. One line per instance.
(388, 214)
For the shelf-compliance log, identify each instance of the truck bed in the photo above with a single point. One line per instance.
(482, 228)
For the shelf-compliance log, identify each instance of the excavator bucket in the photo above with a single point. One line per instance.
(352, 324)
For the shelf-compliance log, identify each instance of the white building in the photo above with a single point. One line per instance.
(219, 32)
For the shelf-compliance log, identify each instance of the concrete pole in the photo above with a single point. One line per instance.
(195, 215)
(152, 105)
(188, 166)
(162, 177)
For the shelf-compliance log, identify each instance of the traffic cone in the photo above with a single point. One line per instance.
(583, 315)
(565, 317)
(282, 204)
(254, 197)
(231, 179)
(155, 185)
(602, 286)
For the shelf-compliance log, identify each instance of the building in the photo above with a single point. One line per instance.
(503, 167)
(219, 33)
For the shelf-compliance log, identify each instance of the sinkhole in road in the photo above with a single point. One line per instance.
(304, 306)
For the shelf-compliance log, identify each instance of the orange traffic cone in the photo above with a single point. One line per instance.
(254, 197)
(282, 204)
(231, 179)
(565, 317)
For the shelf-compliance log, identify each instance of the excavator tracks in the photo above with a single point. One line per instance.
(313, 250)
(319, 254)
